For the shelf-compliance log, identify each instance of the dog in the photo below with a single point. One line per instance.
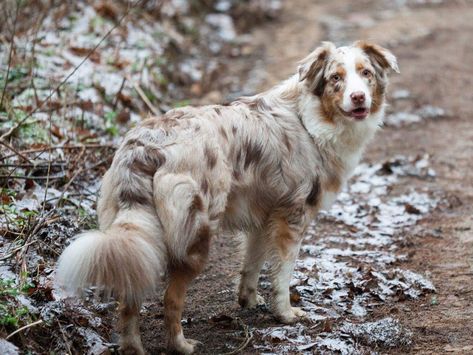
(264, 165)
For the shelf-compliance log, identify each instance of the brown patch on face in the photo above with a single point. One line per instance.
(376, 83)
(359, 65)
(211, 157)
(254, 153)
(332, 95)
(378, 94)
(329, 104)
(314, 194)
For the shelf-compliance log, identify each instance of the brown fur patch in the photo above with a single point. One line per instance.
(286, 141)
(285, 238)
(359, 65)
(258, 104)
(196, 205)
(128, 226)
(375, 53)
(174, 302)
(378, 93)
(329, 103)
(223, 133)
(210, 156)
(129, 196)
(204, 186)
(254, 153)
(148, 164)
(201, 244)
(314, 194)
(133, 143)
(234, 130)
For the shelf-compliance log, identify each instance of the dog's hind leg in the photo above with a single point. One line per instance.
(255, 255)
(128, 326)
(183, 212)
(180, 277)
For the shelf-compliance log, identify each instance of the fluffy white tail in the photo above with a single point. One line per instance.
(124, 261)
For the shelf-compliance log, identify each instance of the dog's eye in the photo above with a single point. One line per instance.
(336, 77)
(366, 73)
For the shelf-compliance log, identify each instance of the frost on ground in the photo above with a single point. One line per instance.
(346, 274)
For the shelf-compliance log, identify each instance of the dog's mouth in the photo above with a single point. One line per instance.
(359, 113)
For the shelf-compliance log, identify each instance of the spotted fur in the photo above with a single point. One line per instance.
(263, 165)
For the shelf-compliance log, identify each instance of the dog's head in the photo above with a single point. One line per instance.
(350, 81)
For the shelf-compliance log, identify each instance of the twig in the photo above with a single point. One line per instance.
(72, 178)
(63, 147)
(144, 98)
(248, 337)
(14, 251)
(64, 338)
(23, 328)
(24, 177)
(33, 165)
(56, 89)
(117, 96)
(10, 54)
(24, 157)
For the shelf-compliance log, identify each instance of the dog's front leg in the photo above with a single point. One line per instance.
(255, 255)
(286, 243)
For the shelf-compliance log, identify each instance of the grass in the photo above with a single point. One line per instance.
(13, 313)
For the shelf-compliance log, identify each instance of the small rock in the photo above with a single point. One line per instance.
(7, 348)
(224, 26)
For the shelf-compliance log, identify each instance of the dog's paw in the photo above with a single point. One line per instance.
(251, 300)
(186, 346)
(292, 315)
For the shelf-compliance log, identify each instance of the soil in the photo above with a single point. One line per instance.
(432, 40)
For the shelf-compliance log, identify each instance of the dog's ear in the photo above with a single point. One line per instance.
(311, 68)
(381, 57)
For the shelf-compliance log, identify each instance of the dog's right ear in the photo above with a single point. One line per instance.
(311, 68)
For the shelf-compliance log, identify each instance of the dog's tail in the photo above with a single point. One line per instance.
(124, 261)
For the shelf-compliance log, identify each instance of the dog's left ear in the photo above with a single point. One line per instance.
(312, 67)
(381, 57)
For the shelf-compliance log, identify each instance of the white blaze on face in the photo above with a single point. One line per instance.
(354, 82)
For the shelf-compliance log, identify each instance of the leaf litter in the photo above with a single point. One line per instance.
(341, 277)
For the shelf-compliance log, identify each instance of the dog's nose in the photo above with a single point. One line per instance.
(358, 97)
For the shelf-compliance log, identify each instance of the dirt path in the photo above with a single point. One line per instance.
(434, 48)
